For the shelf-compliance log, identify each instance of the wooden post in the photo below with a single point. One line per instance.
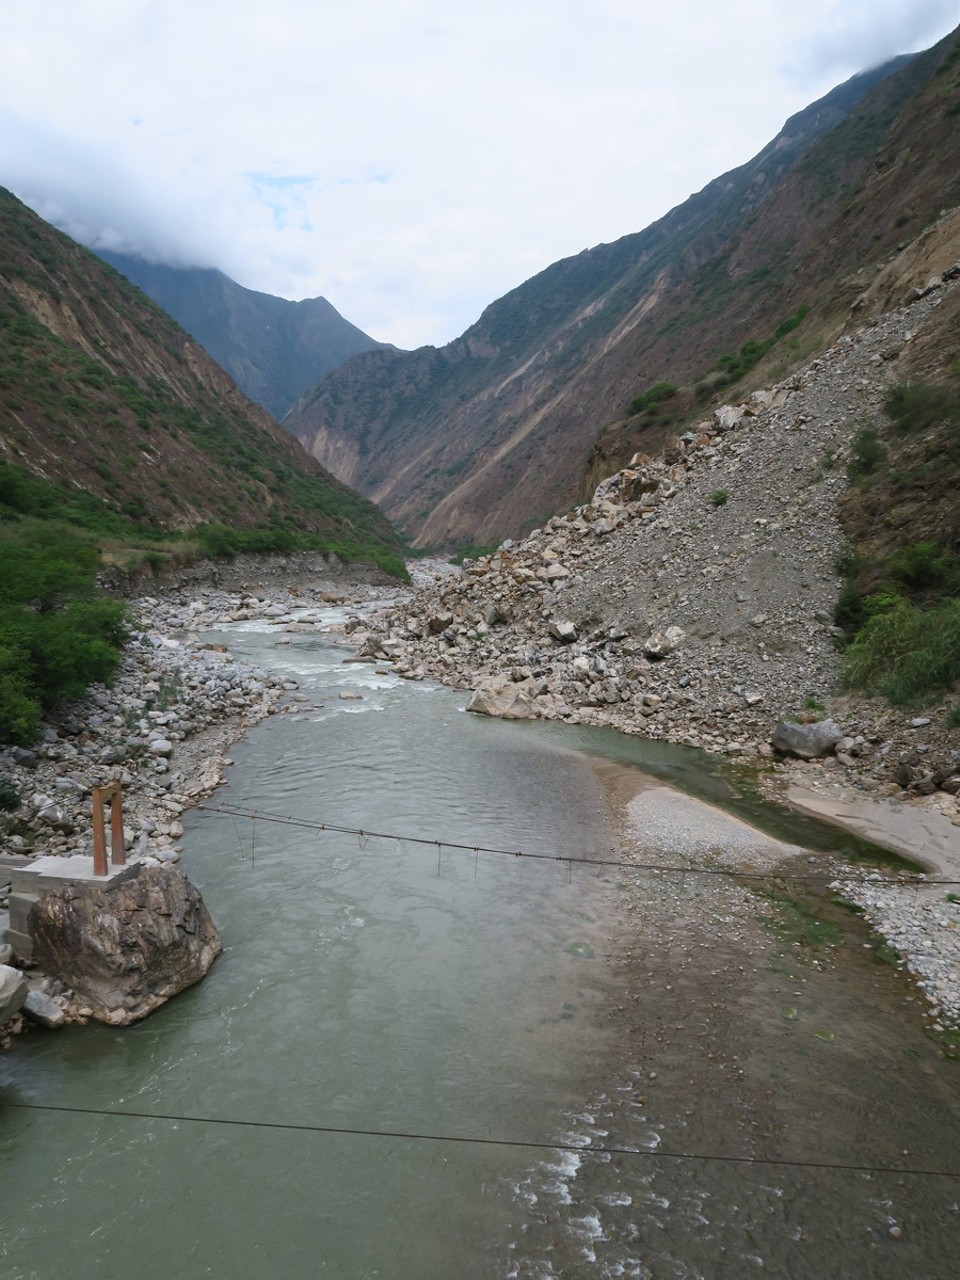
(99, 835)
(118, 855)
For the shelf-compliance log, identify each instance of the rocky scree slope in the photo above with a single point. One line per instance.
(691, 599)
(493, 433)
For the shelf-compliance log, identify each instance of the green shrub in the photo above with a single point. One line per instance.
(20, 711)
(906, 653)
(57, 635)
(650, 401)
(733, 367)
(719, 497)
(9, 796)
(924, 567)
(868, 453)
(917, 406)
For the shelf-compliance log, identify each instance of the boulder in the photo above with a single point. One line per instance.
(13, 992)
(729, 416)
(663, 643)
(635, 483)
(507, 699)
(125, 950)
(565, 632)
(43, 1009)
(808, 741)
(439, 622)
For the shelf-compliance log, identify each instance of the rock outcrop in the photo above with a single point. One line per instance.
(806, 741)
(127, 950)
(508, 699)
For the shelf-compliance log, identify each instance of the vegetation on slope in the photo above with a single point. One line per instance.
(900, 605)
(57, 634)
(120, 438)
(102, 396)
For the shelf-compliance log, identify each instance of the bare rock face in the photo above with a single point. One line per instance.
(126, 950)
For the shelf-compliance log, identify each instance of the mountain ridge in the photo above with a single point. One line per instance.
(491, 434)
(273, 349)
(112, 415)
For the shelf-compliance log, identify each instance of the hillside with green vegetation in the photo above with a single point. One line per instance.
(899, 609)
(111, 416)
(121, 442)
(550, 389)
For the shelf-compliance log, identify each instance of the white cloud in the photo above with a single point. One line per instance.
(856, 34)
(409, 160)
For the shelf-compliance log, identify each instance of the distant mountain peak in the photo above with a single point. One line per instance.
(273, 349)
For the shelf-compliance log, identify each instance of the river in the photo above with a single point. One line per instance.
(372, 1079)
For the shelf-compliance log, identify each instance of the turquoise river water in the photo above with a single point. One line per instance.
(350, 1091)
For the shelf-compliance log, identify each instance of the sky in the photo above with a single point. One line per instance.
(409, 160)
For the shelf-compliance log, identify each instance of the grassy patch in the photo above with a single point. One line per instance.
(918, 406)
(867, 454)
(948, 1038)
(906, 653)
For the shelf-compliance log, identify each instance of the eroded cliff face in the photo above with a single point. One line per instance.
(490, 435)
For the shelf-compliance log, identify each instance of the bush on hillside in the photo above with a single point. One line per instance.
(867, 454)
(918, 406)
(906, 653)
(57, 634)
(649, 402)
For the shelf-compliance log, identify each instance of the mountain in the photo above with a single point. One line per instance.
(112, 418)
(561, 380)
(274, 350)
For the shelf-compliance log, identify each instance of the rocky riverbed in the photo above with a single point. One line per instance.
(165, 728)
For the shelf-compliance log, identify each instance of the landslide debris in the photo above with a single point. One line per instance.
(692, 598)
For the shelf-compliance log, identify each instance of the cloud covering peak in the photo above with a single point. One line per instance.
(407, 159)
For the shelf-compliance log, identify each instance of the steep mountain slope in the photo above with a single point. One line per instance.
(693, 598)
(274, 350)
(111, 416)
(489, 435)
